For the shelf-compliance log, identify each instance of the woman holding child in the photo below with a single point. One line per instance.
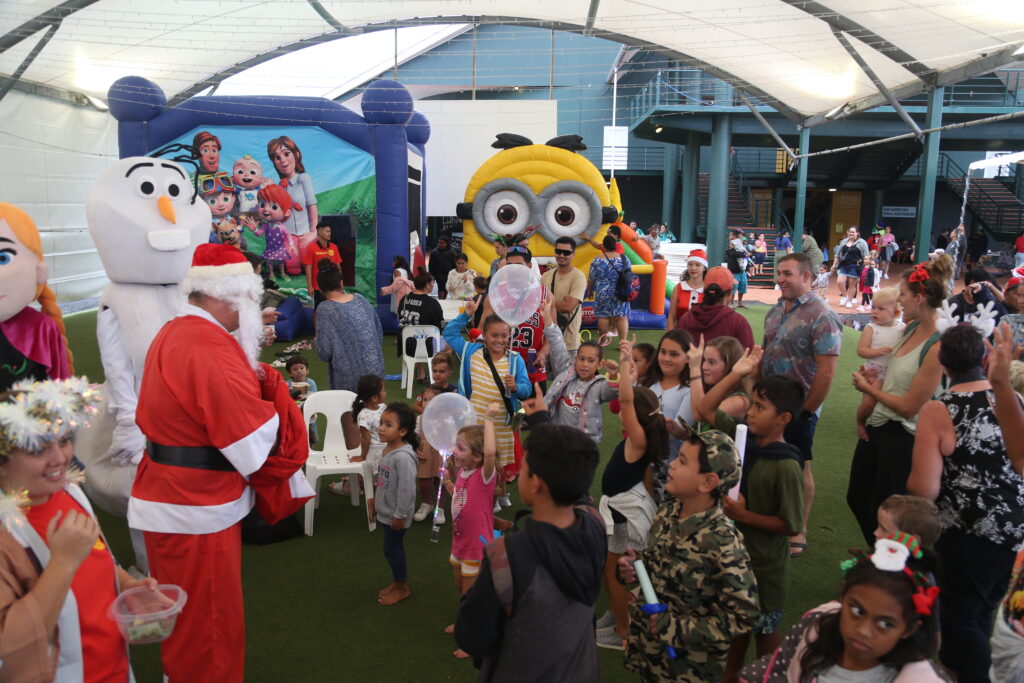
(887, 424)
(964, 464)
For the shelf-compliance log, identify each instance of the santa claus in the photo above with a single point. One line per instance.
(222, 433)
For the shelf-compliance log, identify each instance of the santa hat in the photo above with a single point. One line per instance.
(1016, 278)
(698, 256)
(221, 271)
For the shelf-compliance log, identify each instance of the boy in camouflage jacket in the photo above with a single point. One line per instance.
(698, 567)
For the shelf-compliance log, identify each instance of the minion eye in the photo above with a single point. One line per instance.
(571, 209)
(506, 212)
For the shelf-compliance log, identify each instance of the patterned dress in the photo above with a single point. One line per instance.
(604, 273)
(980, 494)
(277, 247)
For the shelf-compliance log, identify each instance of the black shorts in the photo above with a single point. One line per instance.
(800, 433)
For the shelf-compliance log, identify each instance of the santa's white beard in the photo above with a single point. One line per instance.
(250, 328)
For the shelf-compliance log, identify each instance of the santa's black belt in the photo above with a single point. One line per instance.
(197, 457)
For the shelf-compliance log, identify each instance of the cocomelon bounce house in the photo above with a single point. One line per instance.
(366, 174)
(550, 191)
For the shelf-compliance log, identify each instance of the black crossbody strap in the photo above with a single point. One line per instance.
(499, 383)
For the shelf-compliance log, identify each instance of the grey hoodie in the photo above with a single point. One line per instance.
(571, 401)
(396, 486)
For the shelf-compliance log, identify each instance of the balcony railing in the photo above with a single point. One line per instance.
(638, 158)
(693, 87)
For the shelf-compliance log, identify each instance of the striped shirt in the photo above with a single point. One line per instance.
(486, 392)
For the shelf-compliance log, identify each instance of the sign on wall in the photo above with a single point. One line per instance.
(899, 212)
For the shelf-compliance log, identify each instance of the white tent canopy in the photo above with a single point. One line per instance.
(783, 51)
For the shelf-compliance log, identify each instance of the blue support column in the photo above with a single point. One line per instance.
(688, 196)
(670, 187)
(718, 195)
(801, 190)
(929, 168)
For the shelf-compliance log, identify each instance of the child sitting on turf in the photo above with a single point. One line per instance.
(473, 464)
(882, 629)
(298, 370)
(769, 508)
(429, 464)
(698, 567)
(575, 396)
(909, 515)
(393, 505)
(529, 615)
(441, 371)
(367, 410)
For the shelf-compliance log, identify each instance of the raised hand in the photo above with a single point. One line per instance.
(495, 410)
(695, 353)
(749, 362)
(470, 307)
(71, 541)
(1000, 354)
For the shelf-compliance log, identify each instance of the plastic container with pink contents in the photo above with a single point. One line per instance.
(147, 616)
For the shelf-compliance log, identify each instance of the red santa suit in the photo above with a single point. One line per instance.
(211, 426)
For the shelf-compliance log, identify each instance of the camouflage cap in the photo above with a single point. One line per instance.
(723, 458)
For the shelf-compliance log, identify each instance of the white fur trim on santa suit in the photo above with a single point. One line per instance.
(168, 518)
(248, 455)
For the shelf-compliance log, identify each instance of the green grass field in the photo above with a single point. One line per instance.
(311, 608)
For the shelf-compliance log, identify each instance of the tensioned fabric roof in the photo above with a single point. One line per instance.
(785, 52)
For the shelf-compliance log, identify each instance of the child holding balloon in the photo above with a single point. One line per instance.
(490, 372)
(473, 463)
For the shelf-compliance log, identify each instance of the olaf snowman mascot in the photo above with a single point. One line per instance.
(146, 221)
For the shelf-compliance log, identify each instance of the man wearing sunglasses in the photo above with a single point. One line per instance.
(568, 286)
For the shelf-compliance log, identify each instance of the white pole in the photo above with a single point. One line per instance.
(615, 102)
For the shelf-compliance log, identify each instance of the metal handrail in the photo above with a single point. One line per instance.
(998, 216)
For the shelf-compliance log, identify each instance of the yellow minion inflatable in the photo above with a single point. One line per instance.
(542, 192)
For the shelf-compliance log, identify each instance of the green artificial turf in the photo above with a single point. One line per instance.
(311, 608)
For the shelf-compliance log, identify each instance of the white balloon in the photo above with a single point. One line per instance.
(444, 416)
(515, 293)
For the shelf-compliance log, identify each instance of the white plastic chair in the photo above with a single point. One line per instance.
(420, 333)
(335, 456)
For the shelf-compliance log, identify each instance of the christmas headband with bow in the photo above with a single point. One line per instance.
(891, 555)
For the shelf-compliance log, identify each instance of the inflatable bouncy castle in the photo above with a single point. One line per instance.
(548, 191)
(363, 174)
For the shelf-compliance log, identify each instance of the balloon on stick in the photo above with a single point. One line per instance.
(443, 417)
(515, 293)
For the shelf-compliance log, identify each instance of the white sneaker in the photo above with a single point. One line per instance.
(849, 304)
(422, 512)
(440, 519)
(860, 308)
(609, 639)
(505, 501)
(497, 507)
(607, 620)
(842, 301)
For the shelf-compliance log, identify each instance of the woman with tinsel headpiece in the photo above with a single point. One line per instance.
(57, 575)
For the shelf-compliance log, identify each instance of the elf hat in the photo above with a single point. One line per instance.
(698, 256)
(221, 271)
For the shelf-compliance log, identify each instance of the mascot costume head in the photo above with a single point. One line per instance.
(146, 219)
(33, 344)
(543, 192)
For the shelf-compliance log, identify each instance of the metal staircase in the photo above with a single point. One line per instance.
(998, 210)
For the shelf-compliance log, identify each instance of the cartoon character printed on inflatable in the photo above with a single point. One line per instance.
(32, 344)
(146, 220)
(547, 190)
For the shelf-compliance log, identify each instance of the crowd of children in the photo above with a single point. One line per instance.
(712, 529)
